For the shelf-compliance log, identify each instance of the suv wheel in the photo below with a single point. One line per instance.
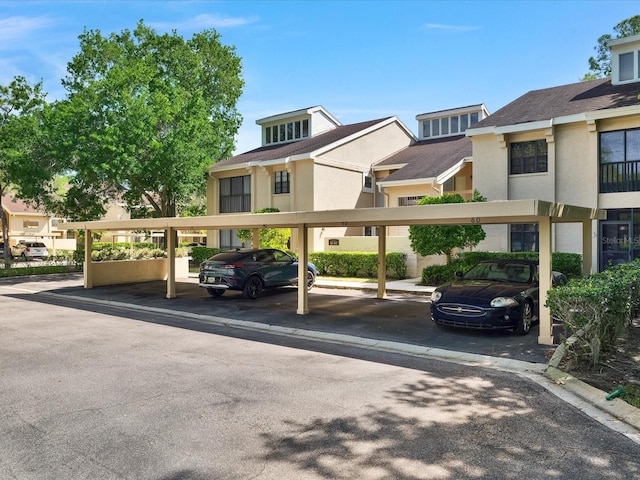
(252, 288)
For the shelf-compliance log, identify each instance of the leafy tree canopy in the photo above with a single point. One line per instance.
(269, 237)
(144, 117)
(24, 171)
(600, 65)
(443, 239)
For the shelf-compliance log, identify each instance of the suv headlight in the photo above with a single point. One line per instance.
(435, 296)
(503, 302)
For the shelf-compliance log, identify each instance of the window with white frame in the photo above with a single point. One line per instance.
(367, 183)
(235, 194)
(528, 157)
(449, 125)
(524, 237)
(409, 201)
(282, 182)
(286, 132)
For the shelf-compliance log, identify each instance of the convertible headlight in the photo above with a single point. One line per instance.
(503, 302)
(435, 296)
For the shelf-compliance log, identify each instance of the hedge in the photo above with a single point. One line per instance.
(358, 264)
(200, 254)
(600, 307)
(568, 263)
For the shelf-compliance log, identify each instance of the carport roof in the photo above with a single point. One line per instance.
(496, 212)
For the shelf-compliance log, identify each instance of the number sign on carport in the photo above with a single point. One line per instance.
(483, 213)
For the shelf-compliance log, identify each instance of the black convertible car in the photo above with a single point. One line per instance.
(494, 294)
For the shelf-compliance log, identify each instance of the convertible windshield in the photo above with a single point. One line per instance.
(500, 272)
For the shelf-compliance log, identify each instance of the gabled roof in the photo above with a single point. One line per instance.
(562, 101)
(302, 148)
(295, 113)
(15, 206)
(427, 159)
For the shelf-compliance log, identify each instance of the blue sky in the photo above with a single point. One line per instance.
(361, 60)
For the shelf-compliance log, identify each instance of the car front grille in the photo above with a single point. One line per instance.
(461, 310)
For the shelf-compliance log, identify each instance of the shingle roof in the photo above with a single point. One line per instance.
(427, 158)
(308, 145)
(540, 105)
(15, 205)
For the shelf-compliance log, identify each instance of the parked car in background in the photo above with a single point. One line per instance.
(29, 250)
(492, 295)
(1, 249)
(189, 246)
(251, 271)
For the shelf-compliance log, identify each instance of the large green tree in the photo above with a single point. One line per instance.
(600, 65)
(443, 239)
(144, 117)
(24, 171)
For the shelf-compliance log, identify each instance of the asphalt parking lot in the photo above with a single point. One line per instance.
(398, 318)
(120, 382)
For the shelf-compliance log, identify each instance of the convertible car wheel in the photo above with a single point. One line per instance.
(524, 326)
(252, 288)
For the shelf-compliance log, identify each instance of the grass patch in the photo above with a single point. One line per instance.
(632, 395)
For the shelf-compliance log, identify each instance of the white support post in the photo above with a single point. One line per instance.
(171, 262)
(255, 238)
(587, 245)
(546, 323)
(88, 264)
(303, 259)
(382, 261)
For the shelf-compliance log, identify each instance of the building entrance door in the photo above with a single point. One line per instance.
(616, 243)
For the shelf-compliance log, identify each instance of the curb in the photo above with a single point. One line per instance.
(616, 408)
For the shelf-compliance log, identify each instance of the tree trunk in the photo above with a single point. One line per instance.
(5, 231)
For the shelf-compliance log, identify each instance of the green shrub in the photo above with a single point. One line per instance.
(568, 263)
(358, 264)
(200, 254)
(121, 245)
(599, 306)
(438, 274)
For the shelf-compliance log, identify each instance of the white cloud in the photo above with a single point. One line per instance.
(450, 28)
(14, 28)
(205, 21)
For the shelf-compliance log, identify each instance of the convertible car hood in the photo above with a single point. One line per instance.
(480, 289)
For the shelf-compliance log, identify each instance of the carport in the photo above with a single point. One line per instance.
(482, 213)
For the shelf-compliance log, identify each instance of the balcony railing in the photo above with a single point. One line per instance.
(620, 177)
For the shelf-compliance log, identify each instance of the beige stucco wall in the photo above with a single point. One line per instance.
(133, 271)
(573, 177)
(368, 149)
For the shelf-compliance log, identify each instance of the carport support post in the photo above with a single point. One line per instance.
(171, 263)
(303, 259)
(544, 265)
(382, 261)
(587, 245)
(88, 264)
(255, 238)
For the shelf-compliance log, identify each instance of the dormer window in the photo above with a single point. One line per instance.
(450, 122)
(286, 132)
(625, 60)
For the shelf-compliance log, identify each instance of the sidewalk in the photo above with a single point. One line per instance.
(408, 285)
